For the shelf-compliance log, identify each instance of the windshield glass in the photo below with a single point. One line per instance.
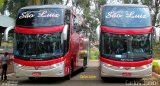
(39, 46)
(40, 17)
(117, 16)
(116, 46)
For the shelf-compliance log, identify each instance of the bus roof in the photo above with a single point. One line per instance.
(45, 6)
(125, 5)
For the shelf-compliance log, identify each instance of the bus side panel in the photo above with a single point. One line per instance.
(67, 63)
(75, 49)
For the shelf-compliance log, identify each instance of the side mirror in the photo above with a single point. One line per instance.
(98, 32)
(7, 31)
(64, 33)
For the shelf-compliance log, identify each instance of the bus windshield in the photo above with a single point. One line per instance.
(118, 46)
(40, 17)
(38, 46)
(118, 16)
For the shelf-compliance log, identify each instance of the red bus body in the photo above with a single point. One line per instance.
(62, 64)
(121, 32)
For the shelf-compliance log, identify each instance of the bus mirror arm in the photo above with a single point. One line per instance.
(6, 32)
(64, 33)
(98, 32)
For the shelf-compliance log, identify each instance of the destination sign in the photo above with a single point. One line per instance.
(42, 13)
(124, 14)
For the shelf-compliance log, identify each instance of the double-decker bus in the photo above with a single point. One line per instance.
(125, 37)
(44, 43)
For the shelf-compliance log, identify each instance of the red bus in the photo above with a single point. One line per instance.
(45, 44)
(125, 37)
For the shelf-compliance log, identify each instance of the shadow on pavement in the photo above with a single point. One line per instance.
(78, 72)
(121, 80)
(44, 80)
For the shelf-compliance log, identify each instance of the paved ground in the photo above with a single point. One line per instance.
(90, 77)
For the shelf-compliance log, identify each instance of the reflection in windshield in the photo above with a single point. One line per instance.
(38, 46)
(125, 46)
(141, 43)
(114, 44)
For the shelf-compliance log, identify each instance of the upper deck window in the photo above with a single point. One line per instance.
(118, 16)
(45, 17)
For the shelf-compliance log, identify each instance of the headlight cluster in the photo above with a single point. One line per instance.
(125, 68)
(40, 67)
(146, 66)
(106, 65)
(57, 65)
(19, 65)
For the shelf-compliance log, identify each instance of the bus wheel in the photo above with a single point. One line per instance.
(84, 64)
(71, 69)
(31, 78)
(68, 77)
(103, 78)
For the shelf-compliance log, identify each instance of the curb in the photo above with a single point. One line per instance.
(156, 75)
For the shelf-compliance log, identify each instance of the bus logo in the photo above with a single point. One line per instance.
(36, 67)
(127, 68)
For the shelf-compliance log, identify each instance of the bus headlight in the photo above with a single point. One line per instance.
(107, 65)
(57, 65)
(19, 65)
(121, 67)
(146, 66)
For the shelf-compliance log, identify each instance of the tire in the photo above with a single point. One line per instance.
(103, 78)
(84, 64)
(72, 67)
(71, 70)
(31, 78)
(68, 77)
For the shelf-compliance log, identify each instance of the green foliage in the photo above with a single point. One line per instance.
(1, 4)
(102, 2)
(155, 64)
(155, 58)
(83, 3)
(156, 50)
(94, 54)
(51, 1)
(127, 1)
(17, 4)
(147, 2)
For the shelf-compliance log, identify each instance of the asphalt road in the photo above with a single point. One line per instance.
(90, 77)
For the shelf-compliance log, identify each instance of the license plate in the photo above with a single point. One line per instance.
(126, 74)
(36, 73)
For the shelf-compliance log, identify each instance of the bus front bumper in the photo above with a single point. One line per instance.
(111, 72)
(55, 70)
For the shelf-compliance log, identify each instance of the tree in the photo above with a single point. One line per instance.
(1, 5)
(157, 8)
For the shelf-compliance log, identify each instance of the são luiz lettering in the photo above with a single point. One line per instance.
(31, 14)
(124, 14)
